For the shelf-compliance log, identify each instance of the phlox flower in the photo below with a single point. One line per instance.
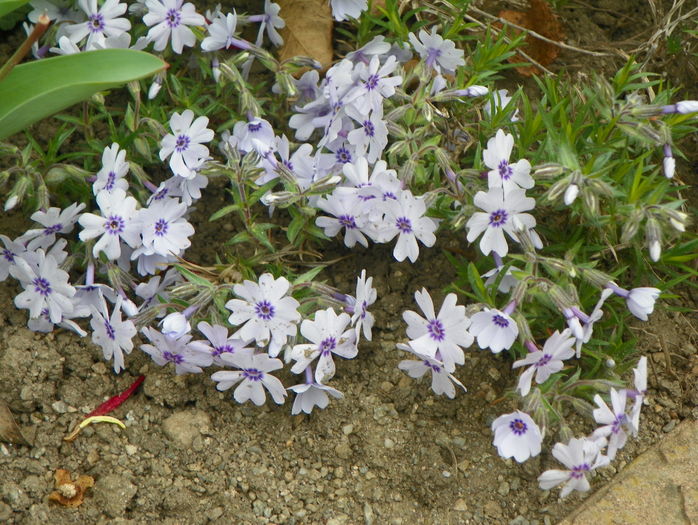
(506, 283)
(366, 295)
(188, 357)
(493, 329)
(436, 52)
(439, 336)
(640, 301)
(442, 381)
(371, 137)
(271, 22)
(268, 314)
(503, 174)
(54, 221)
(170, 19)
(114, 169)
(517, 435)
(253, 377)
(311, 395)
(544, 363)
(222, 34)
(300, 163)
(165, 231)
(56, 10)
(640, 391)
(374, 84)
(101, 23)
(117, 223)
(175, 325)
(348, 214)
(501, 100)
(615, 422)
(186, 143)
(45, 285)
(221, 342)
(111, 334)
(406, 218)
(255, 135)
(501, 213)
(345, 9)
(376, 47)
(580, 456)
(328, 334)
(8, 254)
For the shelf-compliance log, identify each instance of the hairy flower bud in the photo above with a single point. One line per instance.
(632, 225)
(653, 236)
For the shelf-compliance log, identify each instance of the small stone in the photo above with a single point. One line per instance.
(113, 494)
(215, 513)
(493, 509)
(460, 505)
(519, 520)
(669, 426)
(348, 429)
(131, 449)
(388, 443)
(183, 427)
(59, 407)
(503, 489)
(343, 450)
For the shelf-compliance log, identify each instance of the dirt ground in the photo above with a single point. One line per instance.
(390, 452)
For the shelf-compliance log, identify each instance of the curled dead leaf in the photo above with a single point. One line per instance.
(308, 30)
(68, 492)
(541, 19)
(9, 430)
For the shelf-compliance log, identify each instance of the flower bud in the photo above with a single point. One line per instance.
(155, 88)
(571, 194)
(175, 325)
(687, 106)
(632, 225)
(653, 237)
(548, 170)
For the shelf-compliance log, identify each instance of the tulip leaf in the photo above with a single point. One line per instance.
(40, 88)
(7, 6)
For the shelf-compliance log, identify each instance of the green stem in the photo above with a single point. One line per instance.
(26, 46)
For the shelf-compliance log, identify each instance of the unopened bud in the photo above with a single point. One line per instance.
(632, 225)
(17, 193)
(591, 202)
(571, 194)
(653, 236)
(548, 170)
(687, 106)
(596, 277)
(155, 88)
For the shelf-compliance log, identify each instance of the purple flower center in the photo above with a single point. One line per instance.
(327, 345)
(404, 225)
(498, 218)
(505, 170)
(518, 427)
(173, 18)
(53, 229)
(161, 194)
(95, 23)
(433, 53)
(182, 143)
(347, 221)
(8, 255)
(218, 350)
(436, 330)
(436, 369)
(343, 155)
(253, 374)
(618, 423)
(254, 128)
(110, 330)
(161, 227)
(264, 310)
(371, 82)
(111, 179)
(389, 195)
(42, 286)
(544, 360)
(288, 164)
(364, 305)
(369, 128)
(173, 358)
(578, 471)
(114, 225)
(500, 321)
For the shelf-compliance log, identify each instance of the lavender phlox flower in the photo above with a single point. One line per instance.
(45, 325)
(517, 435)
(165, 231)
(101, 23)
(45, 285)
(682, 107)
(507, 282)
(371, 137)
(439, 336)
(306, 86)
(170, 19)
(436, 52)
(186, 355)
(189, 190)
(501, 100)
(113, 172)
(504, 174)
(669, 163)
(56, 10)
(580, 456)
(615, 421)
(328, 334)
(56, 251)
(640, 301)
(270, 316)
(12, 250)
(118, 222)
(111, 334)
(270, 21)
(185, 144)
(220, 342)
(405, 217)
(65, 47)
(153, 289)
(301, 163)
(151, 263)
(442, 381)
(366, 295)
(254, 135)
(544, 363)
(345, 9)
(311, 395)
(438, 85)
(376, 47)
(374, 84)
(494, 329)
(348, 214)
(253, 377)
(640, 391)
(595, 315)
(222, 34)
(498, 217)
(175, 325)
(54, 221)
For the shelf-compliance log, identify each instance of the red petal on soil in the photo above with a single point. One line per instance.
(112, 403)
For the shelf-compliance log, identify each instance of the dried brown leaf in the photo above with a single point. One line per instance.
(541, 19)
(70, 493)
(308, 30)
(9, 430)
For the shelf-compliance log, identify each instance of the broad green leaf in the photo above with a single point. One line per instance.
(7, 6)
(38, 89)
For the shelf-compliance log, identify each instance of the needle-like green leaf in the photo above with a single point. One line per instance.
(7, 6)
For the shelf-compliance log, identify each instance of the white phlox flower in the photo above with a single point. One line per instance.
(220, 342)
(185, 145)
(253, 377)
(437, 53)
(101, 23)
(54, 221)
(221, 33)
(187, 356)
(517, 435)
(170, 20)
(111, 334)
(165, 231)
(366, 295)
(345, 9)
(493, 329)
(616, 424)
(311, 395)
(442, 381)
(580, 456)
(348, 214)
(504, 174)
(113, 172)
(544, 363)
